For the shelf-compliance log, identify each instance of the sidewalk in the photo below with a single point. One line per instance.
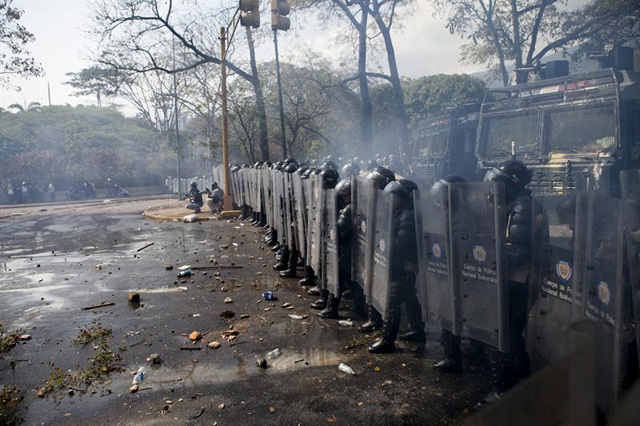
(175, 211)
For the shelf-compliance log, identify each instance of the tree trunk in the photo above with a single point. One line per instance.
(366, 114)
(401, 113)
(517, 43)
(260, 106)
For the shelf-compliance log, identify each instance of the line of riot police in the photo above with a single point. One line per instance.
(483, 261)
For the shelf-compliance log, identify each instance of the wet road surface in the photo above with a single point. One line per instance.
(49, 271)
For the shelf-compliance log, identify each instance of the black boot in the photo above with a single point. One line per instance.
(322, 302)
(416, 325)
(293, 265)
(374, 323)
(309, 278)
(386, 344)
(289, 273)
(331, 311)
(452, 362)
(314, 291)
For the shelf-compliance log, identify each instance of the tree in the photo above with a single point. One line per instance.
(15, 59)
(95, 81)
(135, 35)
(524, 31)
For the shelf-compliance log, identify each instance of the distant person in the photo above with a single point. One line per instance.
(195, 198)
(167, 185)
(109, 187)
(25, 193)
(10, 193)
(216, 196)
(52, 192)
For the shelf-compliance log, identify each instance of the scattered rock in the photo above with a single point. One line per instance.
(195, 336)
(41, 393)
(154, 359)
(262, 363)
(286, 305)
(133, 388)
(272, 410)
(228, 300)
(134, 297)
(24, 337)
(221, 407)
(168, 267)
(214, 345)
(227, 314)
(244, 316)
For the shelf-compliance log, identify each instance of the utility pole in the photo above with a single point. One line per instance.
(279, 10)
(283, 135)
(49, 92)
(175, 107)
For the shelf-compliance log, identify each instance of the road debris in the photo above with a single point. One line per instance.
(154, 359)
(195, 336)
(228, 300)
(214, 345)
(145, 247)
(262, 363)
(133, 297)
(346, 369)
(101, 305)
(274, 353)
(227, 314)
(269, 295)
(298, 317)
(345, 323)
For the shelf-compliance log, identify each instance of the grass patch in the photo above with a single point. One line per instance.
(10, 398)
(92, 333)
(364, 340)
(8, 340)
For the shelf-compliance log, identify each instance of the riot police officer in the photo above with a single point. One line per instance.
(330, 179)
(381, 177)
(292, 254)
(404, 266)
(345, 234)
(514, 365)
(349, 170)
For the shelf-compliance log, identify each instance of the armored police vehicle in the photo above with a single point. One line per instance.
(575, 132)
(446, 145)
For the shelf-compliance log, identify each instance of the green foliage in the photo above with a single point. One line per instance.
(15, 59)
(94, 332)
(8, 339)
(67, 144)
(10, 399)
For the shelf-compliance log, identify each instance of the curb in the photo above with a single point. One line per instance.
(161, 218)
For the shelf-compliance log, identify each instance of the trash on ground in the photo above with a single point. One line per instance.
(24, 337)
(138, 377)
(262, 363)
(185, 273)
(142, 248)
(227, 314)
(274, 353)
(98, 267)
(190, 218)
(154, 359)
(101, 305)
(269, 295)
(286, 305)
(228, 300)
(221, 407)
(184, 267)
(346, 369)
(345, 323)
(168, 267)
(298, 317)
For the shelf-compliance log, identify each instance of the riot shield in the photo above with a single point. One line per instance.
(317, 230)
(280, 210)
(362, 191)
(478, 224)
(309, 185)
(437, 289)
(601, 289)
(288, 210)
(631, 221)
(331, 243)
(383, 234)
(552, 276)
(299, 212)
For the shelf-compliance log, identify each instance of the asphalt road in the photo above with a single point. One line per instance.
(48, 274)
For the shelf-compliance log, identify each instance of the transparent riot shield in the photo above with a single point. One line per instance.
(600, 284)
(288, 209)
(317, 229)
(277, 204)
(552, 276)
(299, 212)
(331, 243)
(362, 191)
(478, 225)
(438, 290)
(383, 234)
(631, 222)
(309, 186)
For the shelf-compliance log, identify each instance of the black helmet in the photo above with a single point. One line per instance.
(245, 166)
(443, 183)
(381, 176)
(329, 165)
(350, 169)
(194, 184)
(343, 188)
(306, 173)
(214, 185)
(289, 168)
(289, 160)
(403, 189)
(300, 170)
(329, 178)
(316, 171)
(257, 165)
(513, 173)
(267, 164)
(278, 165)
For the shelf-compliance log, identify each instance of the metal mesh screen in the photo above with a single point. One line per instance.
(589, 129)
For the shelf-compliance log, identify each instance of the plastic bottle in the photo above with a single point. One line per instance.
(346, 369)
(185, 273)
(269, 295)
(345, 323)
(139, 377)
(274, 353)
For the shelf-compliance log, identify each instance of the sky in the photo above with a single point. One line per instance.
(423, 46)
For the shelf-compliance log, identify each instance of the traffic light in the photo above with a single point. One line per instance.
(279, 10)
(250, 16)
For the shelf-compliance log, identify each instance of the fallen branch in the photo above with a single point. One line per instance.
(218, 267)
(102, 305)
(185, 348)
(142, 248)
